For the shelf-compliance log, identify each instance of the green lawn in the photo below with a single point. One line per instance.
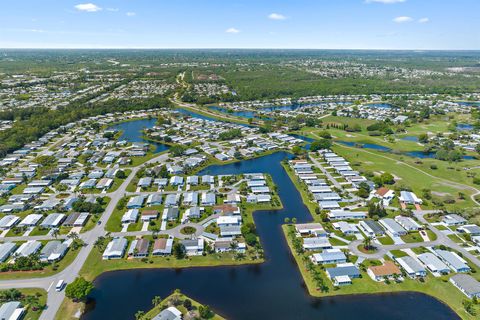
(177, 299)
(32, 298)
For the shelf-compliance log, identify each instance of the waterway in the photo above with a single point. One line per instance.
(271, 290)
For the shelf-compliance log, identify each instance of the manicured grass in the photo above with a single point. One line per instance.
(69, 309)
(385, 240)
(94, 265)
(179, 298)
(46, 272)
(412, 237)
(398, 253)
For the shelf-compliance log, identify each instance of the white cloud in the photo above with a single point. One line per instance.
(232, 30)
(276, 16)
(87, 7)
(402, 19)
(385, 1)
(424, 20)
(131, 14)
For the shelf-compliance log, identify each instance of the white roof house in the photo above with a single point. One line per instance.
(115, 249)
(392, 227)
(130, 216)
(28, 248)
(433, 263)
(408, 223)
(8, 222)
(31, 220)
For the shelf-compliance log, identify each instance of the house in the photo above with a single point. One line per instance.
(207, 179)
(130, 216)
(192, 213)
(115, 249)
(162, 247)
(345, 227)
(135, 202)
(192, 180)
(154, 199)
(31, 220)
(139, 248)
(8, 222)
(76, 219)
(170, 214)
(453, 260)
(384, 194)
(328, 205)
(328, 256)
(227, 244)
(392, 227)
(6, 250)
(104, 183)
(28, 248)
(232, 198)
(467, 284)
(208, 199)
(53, 220)
(341, 272)
(148, 215)
(451, 220)
(316, 243)
(144, 182)
(172, 200)
(53, 251)
(471, 229)
(387, 270)
(408, 223)
(434, 264)
(346, 215)
(227, 209)
(170, 313)
(193, 247)
(176, 181)
(190, 198)
(409, 198)
(11, 311)
(371, 228)
(311, 229)
(412, 267)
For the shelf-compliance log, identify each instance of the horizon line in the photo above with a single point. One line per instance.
(223, 48)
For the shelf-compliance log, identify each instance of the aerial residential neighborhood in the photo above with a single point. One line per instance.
(180, 160)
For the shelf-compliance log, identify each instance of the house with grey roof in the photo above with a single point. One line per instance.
(28, 248)
(170, 313)
(53, 220)
(392, 227)
(6, 249)
(115, 249)
(433, 263)
(453, 260)
(466, 284)
(371, 228)
(12, 310)
(53, 250)
(328, 256)
(412, 267)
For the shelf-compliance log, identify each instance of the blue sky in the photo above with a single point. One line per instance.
(323, 24)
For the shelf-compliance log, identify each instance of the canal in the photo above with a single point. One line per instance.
(271, 290)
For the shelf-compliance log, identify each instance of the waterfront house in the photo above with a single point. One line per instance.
(139, 248)
(328, 256)
(432, 263)
(115, 249)
(170, 313)
(193, 247)
(453, 260)
(346, 215)
(412, 267)
(466, 284)
(387, 270)
(316, 243)
(162, 247)
(313, 228)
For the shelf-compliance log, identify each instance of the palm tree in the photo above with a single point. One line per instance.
(72, 235)
(156, 301)
(55, 233)
(233, 245)
(139, 314)
(367, 243)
